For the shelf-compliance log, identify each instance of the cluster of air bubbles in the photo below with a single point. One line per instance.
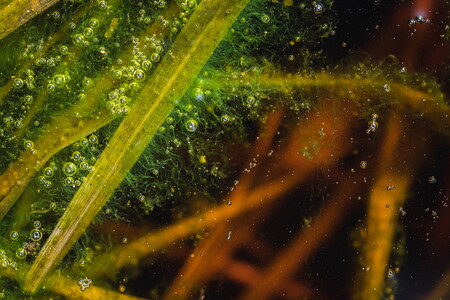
(251, 101)
(73, 171)
(142, 18)
(5, 261)
(84, 35)
(32, 48)
(188, 5)
(47, 174)
(117, 102)
(84, 283)
(373, 124)
(418, 20)
(31, 247)
(200, 94)
(25, 81)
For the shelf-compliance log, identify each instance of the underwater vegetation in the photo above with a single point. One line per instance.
(188, 149)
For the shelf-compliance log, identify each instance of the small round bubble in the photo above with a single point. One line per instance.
(37, 224)
(35, 235)
(28, 144)
(318, 8)
(14, 235)
(94, 23)
(48, 172)
(155, 57)
(18, 83)
(139, 75)
(78, 39)
(88, 32)
(191, 125)
(21, 253)
(265, 19)
(68, 181)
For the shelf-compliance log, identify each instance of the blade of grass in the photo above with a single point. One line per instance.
(68, 288)
(18, 12)
(177, 71)
(394, 166)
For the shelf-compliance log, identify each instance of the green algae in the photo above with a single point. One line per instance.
(137, 81)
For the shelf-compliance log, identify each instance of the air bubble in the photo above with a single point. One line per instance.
(318, 8)
(198, 94)
(265, 19)
(225, 119)
(18, 124)
(69, 168)
(103, 5)
(59, 80)
(139, 75)
(117, 74)
(28, 144)
(146, 64)
(84, 142)
(93, 139)
(155, 57)
(78, 40)
(363, 164)
(88, 32)
(56, 15)
(21, 253)
(68, 181)
(18, 83)
(84, 166)
(191, 125)
(51, 87)
(48, 184)
(35, 235)
(14, 235)
(48, 172)
(94, 23)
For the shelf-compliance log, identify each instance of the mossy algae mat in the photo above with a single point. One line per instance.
(110, 109)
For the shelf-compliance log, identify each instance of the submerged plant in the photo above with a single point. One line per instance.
(113, 111)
